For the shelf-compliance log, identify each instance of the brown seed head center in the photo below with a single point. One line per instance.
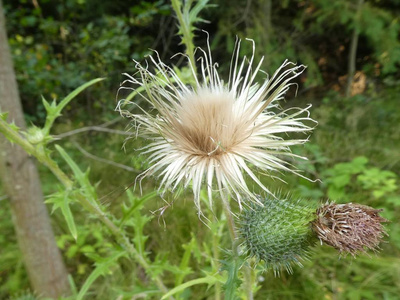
(208, 124)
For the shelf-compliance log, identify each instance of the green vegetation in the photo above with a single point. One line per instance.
(125, 243)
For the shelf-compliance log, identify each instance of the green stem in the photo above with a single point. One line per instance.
(186, 33)
(247, 274)
(229, 219)
(248, 282)
(215, 245)
(38, 152)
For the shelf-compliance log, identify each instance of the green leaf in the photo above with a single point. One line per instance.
(4, 116)
(137, 220)
(209, 279)
(395, 200)
(50, 108)
(184, 265)
(137, 204)
(335, 193)
(14, 127)
(79, 175)
(82, 178)
(62, 200)
(72, 251)
(340, 181)
(360, 162)
(54, 110)
(101, 269)
(233, 281)
(66, 211)
(72, 285)
(46, 105)
(195, 11)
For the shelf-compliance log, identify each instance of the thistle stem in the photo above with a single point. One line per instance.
(229, 219)
(248, 282)
(185, 30)
(235, 245)
(217, 230)
(40, 154)
(216, 259)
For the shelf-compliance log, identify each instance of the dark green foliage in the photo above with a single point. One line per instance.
(378, 25)
(13, 277)
(356, 174)
(24, 296)
(58, 46)
(316, 33)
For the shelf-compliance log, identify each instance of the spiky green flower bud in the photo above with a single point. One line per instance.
(278, 233)
(35, 135)
(281, 232)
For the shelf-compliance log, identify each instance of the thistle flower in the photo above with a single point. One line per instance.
(215, 133)
(278, 233)
(349, 228)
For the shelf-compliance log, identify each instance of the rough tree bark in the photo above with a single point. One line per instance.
(20, 180)
(351, 66)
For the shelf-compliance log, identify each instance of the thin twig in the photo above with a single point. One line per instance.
(103, 160)
(100, 128)
(244, 14)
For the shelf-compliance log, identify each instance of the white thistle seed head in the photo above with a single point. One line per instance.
(215, 133)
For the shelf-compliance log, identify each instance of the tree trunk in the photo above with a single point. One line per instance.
(351, 65)
(20, 180)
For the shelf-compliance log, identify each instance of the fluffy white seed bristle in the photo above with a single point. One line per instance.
(216, 134)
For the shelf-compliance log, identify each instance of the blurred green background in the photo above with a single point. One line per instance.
(354, 150)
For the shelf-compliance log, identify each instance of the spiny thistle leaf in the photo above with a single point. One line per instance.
(12, 125)
(188, 16)
(102, 268)
(3, 116)
(232, 266)
(81, 177)
(25, 295)
(54, 110)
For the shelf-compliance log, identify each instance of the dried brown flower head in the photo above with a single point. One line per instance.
(350, 228)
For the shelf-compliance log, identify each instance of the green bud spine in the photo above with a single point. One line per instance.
(278, 232)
